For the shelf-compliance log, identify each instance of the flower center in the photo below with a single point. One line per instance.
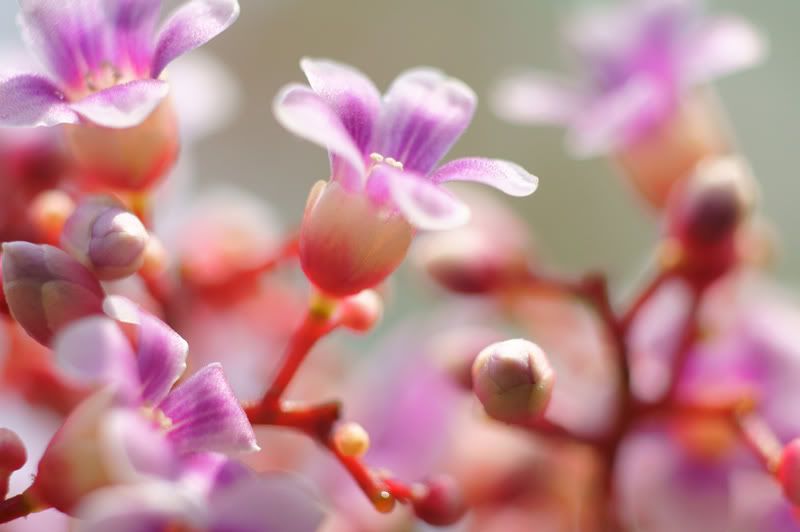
(380, 159)
(158, 417)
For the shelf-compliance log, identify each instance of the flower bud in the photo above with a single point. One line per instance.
(439, 501)
(46, 289)
(660, 158)
(513, 380)
(362, 311)
(348, 244)
(132, 158)
(105, 238)
(351, 439)
(789, 471)
(12, 457)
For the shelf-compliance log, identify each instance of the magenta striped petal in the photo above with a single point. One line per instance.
(190, 26)
(505, 176)
(29, 100)
(133, 23)
(123, 106)
(206, 416)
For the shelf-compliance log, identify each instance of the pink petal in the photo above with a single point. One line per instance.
(307, 115)
(425, 113)
(502, 175)
(423, 203)
(191, 26)
(123, 106)
(134, 23)
(206, 416)
(724, 45)
(29, 100)
(349, 93)
(535, 98)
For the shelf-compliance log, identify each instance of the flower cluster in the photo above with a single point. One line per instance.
(150, 338)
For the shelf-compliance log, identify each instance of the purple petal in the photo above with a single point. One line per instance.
(723, 46)
(206, 416)
(425, 112)
(134, 23)
(349, 93)
(502, 175)
(275, 502)
(304, 113)
(160, 351)
(123, 106)
(191, 26)
(95, 352)
(29, 100)
(535, 98)
(423, 203)
(68, 36)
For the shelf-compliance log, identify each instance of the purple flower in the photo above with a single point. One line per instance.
(637, 60)
(384, 181)
(104, 57)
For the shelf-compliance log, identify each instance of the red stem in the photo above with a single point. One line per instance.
(15, 507)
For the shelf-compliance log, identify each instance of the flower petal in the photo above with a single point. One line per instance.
(134, 449)
(535, 98)
(133, 22)
(425, 112)
(502, 175)
(724, 45)
(266, 502)
(95, 352)
(206, 416)
(29, 100)
(191, 26)
(307, 115)
(350, 93)
(160, 351)
(123, 106)
(67, 36)
(423, 203)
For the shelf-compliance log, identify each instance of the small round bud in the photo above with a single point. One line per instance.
(49, 212)
(348, 244)
(351, 439)
(439, 501)
(513, 380)
(362, 311)
(103, 236)
(132, 158)
(46, 289)
(789, 471)
(12, 451)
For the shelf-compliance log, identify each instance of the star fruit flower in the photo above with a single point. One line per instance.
(384, 181)
(107, 80)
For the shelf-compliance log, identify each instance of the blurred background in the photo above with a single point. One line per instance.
(583, 215)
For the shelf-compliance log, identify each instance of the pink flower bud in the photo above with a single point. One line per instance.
(513, 380)
(105, 238)
(789, 471)
(12, 457)
(439, 501)
(658, 160)
(133, 158)
(46, 289)
(348, 244)
(362, 311)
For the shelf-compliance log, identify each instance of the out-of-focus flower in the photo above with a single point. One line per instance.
(105, 237)
(47, 289)
(639, 61)
(136, 425)
(357, 227)
(107, 68)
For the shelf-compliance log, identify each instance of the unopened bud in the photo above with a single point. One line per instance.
(132, 158)
(351, 439)
(347, 244)
(513, 380)
(362, 311)
(712, 204)
(789, 471)
(46, 289)
(439, 501)
(103, 236)
(12, 457)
